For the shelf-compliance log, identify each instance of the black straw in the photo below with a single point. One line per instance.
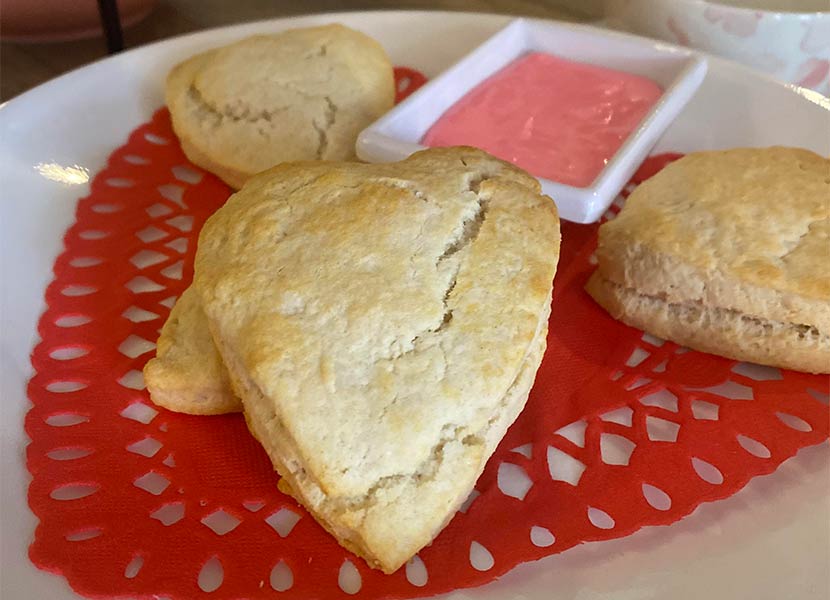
(112, 25)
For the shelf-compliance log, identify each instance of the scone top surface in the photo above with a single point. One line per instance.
(744, 229)
(297, 95)
(382, 310)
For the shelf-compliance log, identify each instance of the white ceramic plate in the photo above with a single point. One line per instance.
(769, 541)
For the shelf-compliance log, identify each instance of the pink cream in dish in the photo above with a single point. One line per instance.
(556, 118)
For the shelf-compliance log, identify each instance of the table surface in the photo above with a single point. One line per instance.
(25, 65)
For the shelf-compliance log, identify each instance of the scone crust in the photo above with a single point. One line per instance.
(187, 374)
(301, 94)
(349, 344)
(722, 332)
(745, 229)
(378, 533)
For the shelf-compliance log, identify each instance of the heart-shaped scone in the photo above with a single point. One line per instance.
(383, 325)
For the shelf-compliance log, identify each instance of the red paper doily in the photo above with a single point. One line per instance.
(621, 430)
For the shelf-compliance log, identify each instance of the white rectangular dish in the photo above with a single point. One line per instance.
(677, 71)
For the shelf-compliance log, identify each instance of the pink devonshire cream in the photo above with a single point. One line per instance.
(556, 118)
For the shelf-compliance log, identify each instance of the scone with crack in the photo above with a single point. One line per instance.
(302, 94)
(729, 253)
(383, 325)
(187, 374)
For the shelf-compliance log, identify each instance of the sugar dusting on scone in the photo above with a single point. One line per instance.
(727, 252)
(383, 325)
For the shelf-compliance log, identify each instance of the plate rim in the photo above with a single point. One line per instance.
(13, 433)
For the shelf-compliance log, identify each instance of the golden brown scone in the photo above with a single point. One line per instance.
(301, 94)
(383, 325)
(187, 374)
(727, 252)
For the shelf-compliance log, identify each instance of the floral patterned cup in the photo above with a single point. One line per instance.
(789, 39)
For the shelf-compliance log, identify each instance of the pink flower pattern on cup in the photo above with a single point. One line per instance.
(812, 73)
(738, 23)
(791, 46)
(678, 31)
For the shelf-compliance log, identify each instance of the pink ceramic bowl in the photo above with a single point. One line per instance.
(789, 39)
